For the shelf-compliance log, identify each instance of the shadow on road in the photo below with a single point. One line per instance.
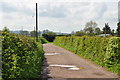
(45, 70)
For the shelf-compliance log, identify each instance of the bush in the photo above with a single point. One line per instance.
(103, 51)
(21, 56)
(49, 38)
(43, 40)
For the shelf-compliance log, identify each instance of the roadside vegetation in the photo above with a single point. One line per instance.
(101, 50)
(92, 29)
(1, 56)
(43, 40)
(21, 56)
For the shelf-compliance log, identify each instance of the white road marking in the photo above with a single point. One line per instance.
(47, 54)
(74, 68)
(70, 67)
(57, 65)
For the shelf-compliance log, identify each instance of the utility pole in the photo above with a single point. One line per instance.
(36, 23)
(118, 24)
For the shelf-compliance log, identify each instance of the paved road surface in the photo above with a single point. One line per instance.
(87, 69)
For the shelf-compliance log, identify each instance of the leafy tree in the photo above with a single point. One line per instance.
(113, 32)
(24, 33)
(89, 30)
(45, 31)
(118, 30)
(5, 29)
(106, 29)
(80, 33)
(90, 27)
(50, 36)
(97, 30)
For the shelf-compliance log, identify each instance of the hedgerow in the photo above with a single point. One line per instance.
(21, 56)
(43, 40)
(103, 51)
(0, 56)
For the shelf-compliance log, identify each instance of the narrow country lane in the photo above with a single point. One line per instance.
(65, 64)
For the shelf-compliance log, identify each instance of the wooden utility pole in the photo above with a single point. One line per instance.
(36, 23)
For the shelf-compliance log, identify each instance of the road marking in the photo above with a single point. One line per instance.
(47, 54)
(58, 65)
(70, 67)
(76, 68)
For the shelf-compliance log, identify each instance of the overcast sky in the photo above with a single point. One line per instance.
(57, 15)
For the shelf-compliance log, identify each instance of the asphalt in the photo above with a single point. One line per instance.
(55, 65)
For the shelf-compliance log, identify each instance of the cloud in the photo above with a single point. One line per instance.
(57, 15)
(60, 0)
(53, 11)
(9, 7)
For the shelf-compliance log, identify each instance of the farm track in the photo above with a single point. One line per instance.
(87, 69)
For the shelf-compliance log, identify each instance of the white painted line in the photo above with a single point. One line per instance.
(49, 74)
(67, 66)
(57, 65)
(75, 68)
(47, 54)
(70, 67)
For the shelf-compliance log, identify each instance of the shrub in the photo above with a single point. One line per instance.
(103, 51)
(43, 40)
(21, 56)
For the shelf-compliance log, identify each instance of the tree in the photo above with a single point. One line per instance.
(118, 29)
(90, 27)
(106, 29)
(24, 33)
(97, 30)
(5, 29)
(45, 31)
(80, 33)
(50, 36)
(89, 30)
(33, 33)
(113, 32)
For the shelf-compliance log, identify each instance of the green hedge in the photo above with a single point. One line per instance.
(43, 40)
(0, 56)
(21, 56)
(103, 51)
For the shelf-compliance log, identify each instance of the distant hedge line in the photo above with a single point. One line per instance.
(43, 40)
(21, 57)
(103, 51)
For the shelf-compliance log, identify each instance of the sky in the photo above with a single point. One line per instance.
(57, 15)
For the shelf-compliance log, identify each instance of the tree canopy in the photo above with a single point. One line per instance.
(90, 27)
(118, 30)
(80, 33)
(5, 29)
(106, 29)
